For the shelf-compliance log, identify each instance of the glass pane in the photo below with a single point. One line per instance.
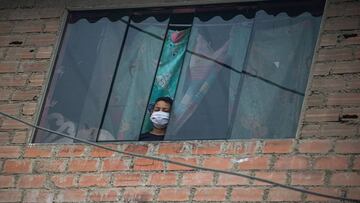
(277, 70)
(207, 88)
(80, 83)
(134, 79)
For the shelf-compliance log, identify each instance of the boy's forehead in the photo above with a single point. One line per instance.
(162, 103)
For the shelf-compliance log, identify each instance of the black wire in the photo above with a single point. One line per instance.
(181, 164)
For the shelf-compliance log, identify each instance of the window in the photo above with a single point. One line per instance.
(234, 70)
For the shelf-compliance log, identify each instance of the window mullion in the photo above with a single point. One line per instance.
(113, 78)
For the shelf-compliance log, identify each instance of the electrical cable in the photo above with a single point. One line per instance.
(181, 164)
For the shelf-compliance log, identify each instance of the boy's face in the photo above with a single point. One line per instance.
(162, 106)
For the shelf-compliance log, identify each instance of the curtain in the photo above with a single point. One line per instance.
(80, 82)
(244, 78)
(278, 63)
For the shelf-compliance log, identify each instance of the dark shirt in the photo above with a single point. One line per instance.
(150, 137)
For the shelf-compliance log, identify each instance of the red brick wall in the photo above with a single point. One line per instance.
(323, 158)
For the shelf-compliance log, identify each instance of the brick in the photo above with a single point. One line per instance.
(10, 196)
(346, 67)
(37, 80)
(206, 148)
(13, 80)
(338, 129)
(7, 181)
(292, 162)
(322, 115)
(99, 152)
(123, 179)
(217, 163)
(335, 54)
(162, 179)
(12, 125)
(34, 66)
(328, 84)
(225, 179)
(353, 84)
(278, 177)
(20, 137)
(4, 137)
(343, 9)
(94, 180)
(315, 100)
(28, 26)
(56, 166)
(64, 181)
(353, 193)
(325, 191)
(52, 25)
(5, 94)
(31, 181)
(17, 166)
(10, 152)
(349, 38)
(29, 108)
(342, 23)
(24, 14)
(170, 148)
(173, 167)
(25, 95)
(8, 67)
(71, 151)
(307, 178)
(139, 195)
(210, 194)
(315, 146)
(12, 40)
(278, 146)
(343, 99)
(174, 194)
(347, 146)
(281, 194)
(328, 40)
(142, 164)
(108, 195)
(17, 53)
(331, 162)
(114, 165)
(71, 195)
(322, 68)
(35, 151)
(356, 163)
(138, 149)
(44, 52)
(255, 163)
(197, 178)
(51, 12)
(39, 196)
(247, 194)
(241, 148)
(82, 165)
(345, 178)
(40, 40)
(6, 27)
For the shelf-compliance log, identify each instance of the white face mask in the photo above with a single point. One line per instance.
(160, 119)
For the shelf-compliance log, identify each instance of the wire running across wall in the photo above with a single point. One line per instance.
(182, 164)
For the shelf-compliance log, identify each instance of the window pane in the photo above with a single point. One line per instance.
(205, 96)
(136, 71)
(81, 79)
(271, 95)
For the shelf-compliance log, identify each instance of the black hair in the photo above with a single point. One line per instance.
(165, 99)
